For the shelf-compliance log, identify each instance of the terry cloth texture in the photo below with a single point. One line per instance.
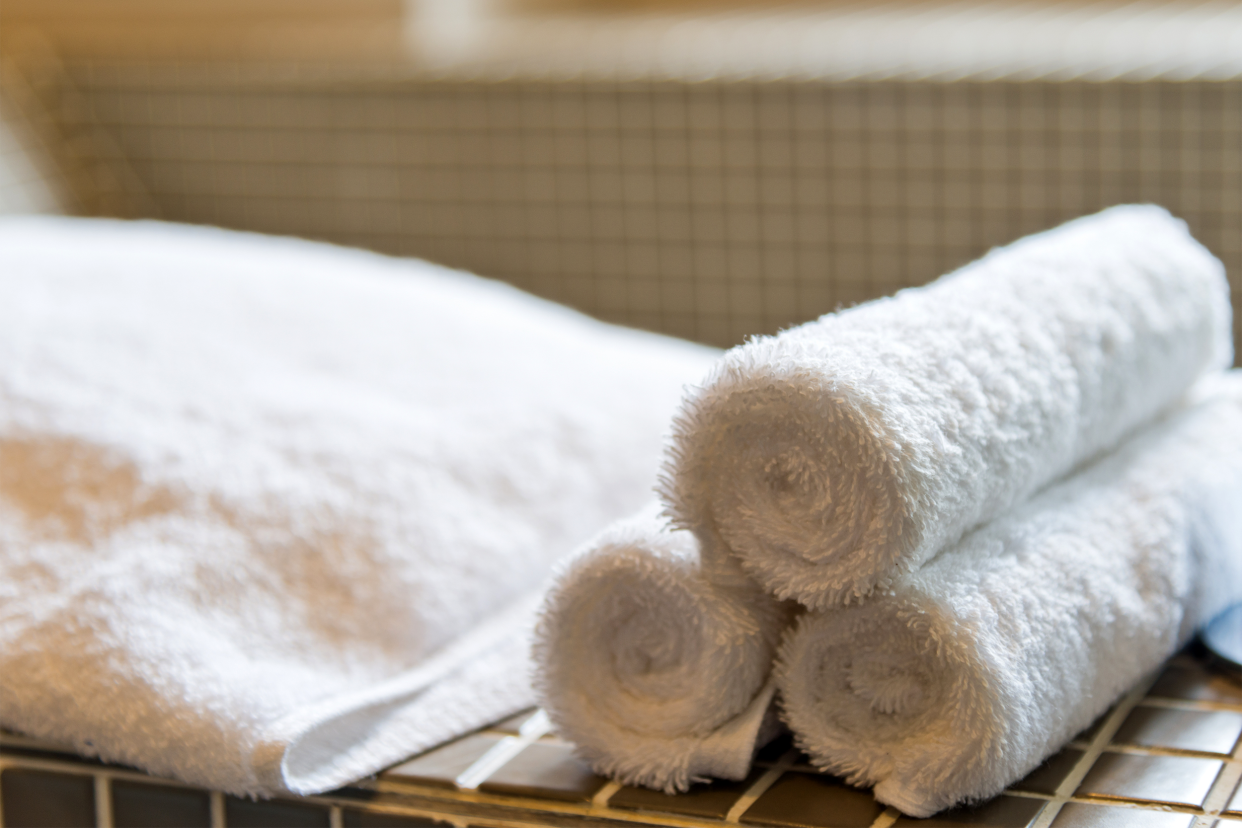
(996, 652)
(841, 453)
(258, 496)
(660, 676)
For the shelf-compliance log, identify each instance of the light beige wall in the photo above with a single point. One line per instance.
(207, 29)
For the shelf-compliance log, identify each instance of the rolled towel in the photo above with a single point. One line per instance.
(1002, 648)
(658, 675)
(835, 455)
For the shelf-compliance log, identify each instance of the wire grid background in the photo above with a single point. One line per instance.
(711, 210)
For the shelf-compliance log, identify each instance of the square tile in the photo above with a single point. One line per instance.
(441, 766)
(273, 813)
(351, 818)
(42, 799)
(1234, 808)
(1171, 780)
(1210, 731)
(137, 805)
(708, 801)
(1001, 812)
(1082, 815)
(803, 800)
(545, 770)
(1046, 778)
(1184, 679)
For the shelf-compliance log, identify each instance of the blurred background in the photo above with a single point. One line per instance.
(707, 169)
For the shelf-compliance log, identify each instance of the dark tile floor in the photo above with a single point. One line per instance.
(1167, 756)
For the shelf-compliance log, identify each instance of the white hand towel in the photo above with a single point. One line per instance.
(658, 675)
(835, 455)
(976, 667)
(257, 494)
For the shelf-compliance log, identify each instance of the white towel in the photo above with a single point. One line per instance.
(975, 668)
(658, 675)
(835, 455)
(257, 495)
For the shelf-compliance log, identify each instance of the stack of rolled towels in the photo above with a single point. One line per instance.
(936, 534)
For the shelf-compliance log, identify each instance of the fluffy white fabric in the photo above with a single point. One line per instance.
(975, 668)
(835, 455)
(659, 675)
(256, 492)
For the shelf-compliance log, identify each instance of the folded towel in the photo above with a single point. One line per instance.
(658, 675)
(996, 652)
(835, 455)
(258, 495)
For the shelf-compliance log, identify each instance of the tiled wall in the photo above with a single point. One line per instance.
(710, 210)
